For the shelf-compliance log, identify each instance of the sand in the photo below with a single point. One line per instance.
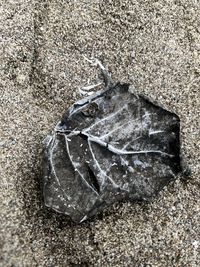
(154, 45)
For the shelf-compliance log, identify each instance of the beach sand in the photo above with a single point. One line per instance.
(154, 45)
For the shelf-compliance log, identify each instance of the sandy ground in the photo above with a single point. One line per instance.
(154, 45)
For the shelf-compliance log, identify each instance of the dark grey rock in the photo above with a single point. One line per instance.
(111, 146)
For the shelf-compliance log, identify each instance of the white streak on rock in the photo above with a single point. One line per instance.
(100, 169)
(75, 165)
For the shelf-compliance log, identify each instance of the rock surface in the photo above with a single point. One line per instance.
(111, 146)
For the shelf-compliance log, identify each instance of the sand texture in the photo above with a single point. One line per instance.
(154, 45)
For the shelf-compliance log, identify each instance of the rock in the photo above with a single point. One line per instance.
(111, 146)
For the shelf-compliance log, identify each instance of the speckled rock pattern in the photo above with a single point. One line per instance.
(154, 45)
